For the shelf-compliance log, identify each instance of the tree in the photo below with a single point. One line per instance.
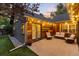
(52, 14)
(41, 14)
(61, 9)
(13, 10)
(76, 13)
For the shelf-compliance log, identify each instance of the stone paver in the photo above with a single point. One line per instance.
(54, 47)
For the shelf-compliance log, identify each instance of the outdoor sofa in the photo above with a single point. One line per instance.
(60, 35)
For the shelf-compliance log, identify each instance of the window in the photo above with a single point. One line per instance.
(64, 28)
(72, 28)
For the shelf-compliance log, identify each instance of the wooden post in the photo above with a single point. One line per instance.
(25, 33)
(27, 41)
(77, 33)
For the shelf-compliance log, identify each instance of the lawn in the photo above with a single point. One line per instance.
(6, 45)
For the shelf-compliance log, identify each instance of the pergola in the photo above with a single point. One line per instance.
(73, 10)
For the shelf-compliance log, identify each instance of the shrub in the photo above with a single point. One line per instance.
(8, 29)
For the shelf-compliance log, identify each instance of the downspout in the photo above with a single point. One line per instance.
(60, 28)
(68, 28)
(25, 32)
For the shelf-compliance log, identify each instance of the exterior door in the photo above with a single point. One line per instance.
(36, 31)
(33, 31)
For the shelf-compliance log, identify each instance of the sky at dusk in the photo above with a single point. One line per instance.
(47, 7)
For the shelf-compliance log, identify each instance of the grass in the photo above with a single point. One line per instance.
(6, 45)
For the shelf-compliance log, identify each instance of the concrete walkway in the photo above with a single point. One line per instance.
(54, 47)
(15, 42)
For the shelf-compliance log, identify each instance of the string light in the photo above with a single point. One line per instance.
(38, 21)
(66, 23)
(72, 3)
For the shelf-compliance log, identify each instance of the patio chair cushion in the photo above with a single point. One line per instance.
(60, 34)
(57, 34)
(72, 37)
(48, 34)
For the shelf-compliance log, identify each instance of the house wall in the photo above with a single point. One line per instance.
(47, 28)
(66, 26)
(69, 27)
(33, 25)
(32, 30)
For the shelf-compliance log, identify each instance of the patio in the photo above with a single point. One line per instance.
(54, 47)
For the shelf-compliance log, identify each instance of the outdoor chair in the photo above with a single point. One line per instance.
(48, 35)
(70, 39)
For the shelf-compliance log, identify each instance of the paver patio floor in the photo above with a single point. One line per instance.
(54, 47)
